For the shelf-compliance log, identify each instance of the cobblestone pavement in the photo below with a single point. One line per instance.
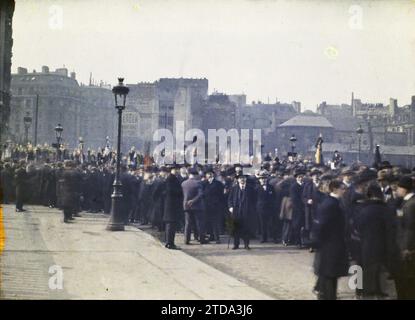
(98, 264)
(280, 272)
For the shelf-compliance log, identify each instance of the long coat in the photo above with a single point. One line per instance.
(20, 180)
(243, 204)
(214, 198)
(376, 226)
(296, 192)
(266, 201)
(71, 187)
(408, 236)
(173, 200)
(330, 259)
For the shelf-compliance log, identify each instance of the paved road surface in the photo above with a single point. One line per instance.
(98, 264)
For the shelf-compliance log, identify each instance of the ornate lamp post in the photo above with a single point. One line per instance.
(293, 140)
(58, 133)
(27, 120)
(359, 132)
(116, 222)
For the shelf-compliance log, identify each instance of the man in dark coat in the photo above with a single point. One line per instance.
(107, 188)
(405, 282)
(158, 195)
(296, 191)
(330, 261)
(71, 187)
(310, 199)
(173, 206)
(265, 206)
(241, 205)
(20, 180)
(127, 192)
(213, 192)
(194, 207)
(48, 186)
(375, 224)
(7, 182)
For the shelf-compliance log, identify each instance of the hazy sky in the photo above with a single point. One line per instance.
(309, 51)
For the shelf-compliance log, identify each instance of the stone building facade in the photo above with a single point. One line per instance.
(6, 44)
(52, 97)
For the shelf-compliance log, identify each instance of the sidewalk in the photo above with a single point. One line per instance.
(98, 264)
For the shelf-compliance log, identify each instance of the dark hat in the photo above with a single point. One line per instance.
(240, 176)
(164, 169)
(209, 170)
(385, 165)
(193, 171)
(365, 177)
(299, 172)
(315, 171)
(406, 183)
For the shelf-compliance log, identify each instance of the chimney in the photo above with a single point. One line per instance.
(21, 70)
(73, 75)
(45, 69)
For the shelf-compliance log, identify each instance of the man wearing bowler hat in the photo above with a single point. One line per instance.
(241, 205)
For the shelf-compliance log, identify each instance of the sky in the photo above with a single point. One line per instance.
(285, 50)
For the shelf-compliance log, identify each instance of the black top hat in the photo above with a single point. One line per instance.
(193, 171)
(406, 183)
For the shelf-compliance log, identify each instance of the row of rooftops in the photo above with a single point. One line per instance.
(45, 70)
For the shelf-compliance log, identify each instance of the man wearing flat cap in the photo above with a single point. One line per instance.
(405, 282)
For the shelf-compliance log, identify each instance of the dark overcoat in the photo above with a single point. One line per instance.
(266, 205)
(20, 181)
(375, 224)
(330, 259)
(173, 200)
(214, 198)
(71, 188)
(244, 205)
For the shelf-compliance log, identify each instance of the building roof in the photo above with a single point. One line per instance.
(384, 149)
(302, 120)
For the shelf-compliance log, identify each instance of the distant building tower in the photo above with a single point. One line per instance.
(393, 107)
(297, 106)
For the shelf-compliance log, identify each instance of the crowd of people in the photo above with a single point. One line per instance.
(347, 215)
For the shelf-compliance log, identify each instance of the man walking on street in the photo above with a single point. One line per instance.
(330, 261)
(193, 207)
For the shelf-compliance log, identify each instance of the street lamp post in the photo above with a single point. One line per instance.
(116, 222)
(293, 140)
(58, 133)
(27, 120)
(359, 132)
